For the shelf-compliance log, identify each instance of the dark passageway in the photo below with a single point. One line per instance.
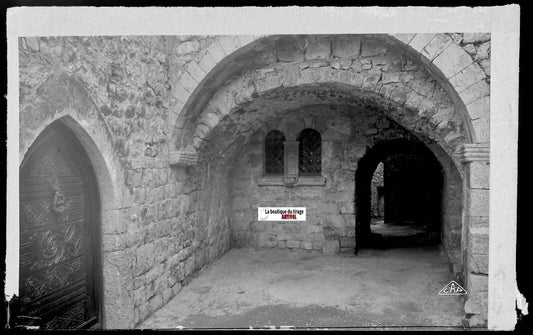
(411, 194)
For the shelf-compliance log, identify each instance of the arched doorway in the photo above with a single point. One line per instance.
(59, 281)
(412, 192)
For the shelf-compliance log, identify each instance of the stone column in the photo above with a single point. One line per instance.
(475, 157)
(291, 162)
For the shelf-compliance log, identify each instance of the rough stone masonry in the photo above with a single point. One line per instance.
(174, 126)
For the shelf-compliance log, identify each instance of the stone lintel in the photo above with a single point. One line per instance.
(470, 152)
(182, 158)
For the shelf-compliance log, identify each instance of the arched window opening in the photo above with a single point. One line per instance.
(274, 153)
(310, 155)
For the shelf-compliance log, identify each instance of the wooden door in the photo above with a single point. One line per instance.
(59, 233)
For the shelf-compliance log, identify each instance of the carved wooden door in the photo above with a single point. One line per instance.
(59, 232)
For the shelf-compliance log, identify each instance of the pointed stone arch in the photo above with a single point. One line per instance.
(63, 98)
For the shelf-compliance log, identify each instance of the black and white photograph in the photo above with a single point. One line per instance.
(277, 168)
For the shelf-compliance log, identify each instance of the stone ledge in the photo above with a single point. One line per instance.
(181, 158)
(302, 181)
(470, 152)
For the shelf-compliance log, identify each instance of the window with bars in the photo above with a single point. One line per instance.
(274, 153)
(310, 152)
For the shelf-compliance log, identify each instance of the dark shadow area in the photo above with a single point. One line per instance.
(410, 191)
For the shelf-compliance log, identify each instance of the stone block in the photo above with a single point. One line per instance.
(216, 52)
(167, 294)
(478, 321)
(176, 288)
(467, 77)
(479, 222)
(346, 48)
(308, 245)
(318, 50)
(479, 202)
(317, 244)
(180, 93)
(419, 41)
(115, 223)
(390, 77)
(334, 221)
(188, 82)
(485, 65)
(293, 244)
(347, 242)
(443, 115)
(371, 48)
(189, 266)
(476, 304)
(370, 81)
(260, 226)
(187, 47)
(483, 52)
(207, 63)
(245, 39)
(229, 43)
(290, 54)
(405, 38)
(145, 258)
(477, 284)
(476, 37)
(475, 91)
(331, 247)
(436, 46)
(155, 302)
(327, 208)
(346, 207)
(479, 263)
(452, 60)
(479, 108)
(478, 243)
(470, 49)
(183, 158)
(479, 172)
(347, 250)
(482, 129)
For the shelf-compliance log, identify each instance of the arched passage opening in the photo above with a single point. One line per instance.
(412, 195)
(60, 276)
(355, 93)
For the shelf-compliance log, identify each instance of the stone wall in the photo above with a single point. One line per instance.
(346, 133)
(160, 223)
(117, 90)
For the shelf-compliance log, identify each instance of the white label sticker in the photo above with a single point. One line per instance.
(281, 213)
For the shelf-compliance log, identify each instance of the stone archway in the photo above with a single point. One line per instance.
(59, 234)
(452, 67)
(417, 184)
(434, 92)
(63, 99)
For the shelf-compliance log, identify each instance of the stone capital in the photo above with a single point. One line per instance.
(183, 157)
(470, 152)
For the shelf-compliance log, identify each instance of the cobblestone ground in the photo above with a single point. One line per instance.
(297, 288)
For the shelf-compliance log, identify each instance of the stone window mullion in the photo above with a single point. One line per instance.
(291, 162)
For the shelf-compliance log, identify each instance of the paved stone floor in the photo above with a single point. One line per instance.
(298, 288)
(385, 229)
